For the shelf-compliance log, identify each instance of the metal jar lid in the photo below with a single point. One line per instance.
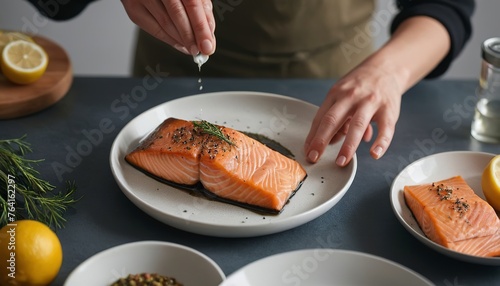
(491, 51)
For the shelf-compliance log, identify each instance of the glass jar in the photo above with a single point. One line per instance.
(486, 123)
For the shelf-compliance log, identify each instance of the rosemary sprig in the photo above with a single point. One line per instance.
(35, 198)
(209, 128)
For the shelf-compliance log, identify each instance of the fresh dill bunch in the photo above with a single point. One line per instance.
(209, 128)
(23, 194)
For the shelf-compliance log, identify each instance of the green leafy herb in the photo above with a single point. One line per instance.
(23, 194)
(209, 128)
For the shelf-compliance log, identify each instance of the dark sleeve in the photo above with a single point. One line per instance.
(455, 15)
(54, 10)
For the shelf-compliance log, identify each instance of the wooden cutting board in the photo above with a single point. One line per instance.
(21, 100)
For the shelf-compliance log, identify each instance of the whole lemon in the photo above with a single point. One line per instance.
(490, 182)
(30, 254)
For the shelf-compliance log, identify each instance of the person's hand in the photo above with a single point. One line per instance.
(187, 25)
(372, 91)
(366, 94)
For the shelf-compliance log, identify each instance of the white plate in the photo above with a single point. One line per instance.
(281, 118)
(322, 267)
(468, 164)
(169, 259)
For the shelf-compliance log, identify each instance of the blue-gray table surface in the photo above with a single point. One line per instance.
(363, 220)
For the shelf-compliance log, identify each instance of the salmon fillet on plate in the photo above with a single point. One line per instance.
(451, 214)
(222, 163)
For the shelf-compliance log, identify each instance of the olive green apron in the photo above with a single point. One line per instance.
(272, 38)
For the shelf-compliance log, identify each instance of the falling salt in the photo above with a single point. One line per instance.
(200, 59)
(199, 81)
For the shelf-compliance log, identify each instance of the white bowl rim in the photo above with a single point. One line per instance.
(142, 243)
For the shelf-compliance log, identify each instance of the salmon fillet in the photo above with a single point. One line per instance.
(452, 215)
(170, 152)
(242, 170)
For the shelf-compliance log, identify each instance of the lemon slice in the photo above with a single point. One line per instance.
(7, 37)
(23, 62)
(490, 182)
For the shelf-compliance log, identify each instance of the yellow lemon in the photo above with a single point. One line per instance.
(490, 182)
(7, 37)
(30, 253)
(23, 62)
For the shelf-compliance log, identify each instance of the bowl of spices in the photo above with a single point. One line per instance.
(147, 263)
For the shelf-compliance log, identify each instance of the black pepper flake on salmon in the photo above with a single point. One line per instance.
(243, 171)
(443, 192)
(461, 206)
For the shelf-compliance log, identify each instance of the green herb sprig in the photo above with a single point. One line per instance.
(35, 198)
(209, 128)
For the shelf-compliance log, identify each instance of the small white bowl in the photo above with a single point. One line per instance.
(168, 259)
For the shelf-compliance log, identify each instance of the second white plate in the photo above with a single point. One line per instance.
(284, 119)
(468, 164)
(322, 267)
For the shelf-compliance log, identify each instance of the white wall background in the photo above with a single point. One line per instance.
(100, 41)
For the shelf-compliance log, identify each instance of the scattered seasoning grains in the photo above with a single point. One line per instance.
(445, 193)
(460, 206)
(146, 279)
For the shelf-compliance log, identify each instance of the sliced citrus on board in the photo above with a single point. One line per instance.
(23, 62)
(7, 37)
(490, 182)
